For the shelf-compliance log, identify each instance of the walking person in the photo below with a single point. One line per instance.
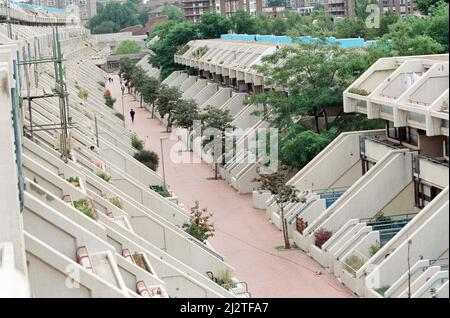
(132, 112)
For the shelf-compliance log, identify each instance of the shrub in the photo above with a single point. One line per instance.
(83, 206)
(380, 217)
(83, 94)
(148, 158)
(353, 263)
(160, 190)
(382, 290)
(359, 91)
(102, 84)
(199, 225)
(136, 143)
(374, 248)
(119, 115)
(104, 176)
(109, 100)
(321, 237)
(116, 202)
(224, 279)
(183, 49)
(74, 181)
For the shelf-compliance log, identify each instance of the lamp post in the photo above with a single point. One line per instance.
(123, 113)
(162, 161)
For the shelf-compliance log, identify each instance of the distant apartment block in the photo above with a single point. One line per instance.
(194, 9)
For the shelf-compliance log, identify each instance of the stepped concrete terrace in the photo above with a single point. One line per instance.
(243, 236)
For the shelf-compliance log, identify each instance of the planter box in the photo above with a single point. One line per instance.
(260, 198)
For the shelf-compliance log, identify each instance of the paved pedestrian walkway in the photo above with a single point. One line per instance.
(243, 234)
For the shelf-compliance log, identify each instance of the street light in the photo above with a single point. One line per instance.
(162, 160)
(123, 109)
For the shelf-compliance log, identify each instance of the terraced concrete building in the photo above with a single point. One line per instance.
(88, 226)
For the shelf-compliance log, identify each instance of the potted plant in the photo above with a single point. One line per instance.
(321, 236)
(85, 206)
(75, 181)
(116, 202)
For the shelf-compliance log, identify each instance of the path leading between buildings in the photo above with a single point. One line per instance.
(243, 234)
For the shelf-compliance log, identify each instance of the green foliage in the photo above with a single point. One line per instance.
(148, 158)
(353, 263)
(84, 206)
(374, 248)
(426, 5)
(380, 217)
(200, 52)
(74, 181)
(126, 69)
(173, 13)
(183, 49)
(160, 190)
(104, 176)
(116, 202)
(224, 279)
(115, 16)
(83, 94)
(168, 100)
(109, 100)
(359, 91)
(243, 23)
(199, 225)
(137, 143)
(119, 115)
(382, 290)
(129, 47)
(150, 89)
(212, 25)
(185, 114)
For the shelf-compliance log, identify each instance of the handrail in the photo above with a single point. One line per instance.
(80, 257)
(443, 162)
(394, 217)
(206, 248)
(232, 286)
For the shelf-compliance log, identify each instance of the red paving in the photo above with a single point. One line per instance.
(243, 234)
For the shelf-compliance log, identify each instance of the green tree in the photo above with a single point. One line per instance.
(129, 47)
(184, 116)
(137, 80)
(282, 193)
(199, 225)
(243, 23)
(126, 69)
(350, 28)
(388, 18)
(150, 92)
(212, 25)
(425, 5)
(109, 100)
(105, 27)
(121, 15)
(173, 13)
(279, 26)
(263, 23)
(172, 36)
(218, 121)
(168, 100)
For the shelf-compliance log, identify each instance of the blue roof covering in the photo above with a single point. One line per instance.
(344, 43)
(36, 7)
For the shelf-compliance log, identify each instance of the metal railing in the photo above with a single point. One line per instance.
(206, 248)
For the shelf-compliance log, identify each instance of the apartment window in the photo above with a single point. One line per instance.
(446, 146)
(424, 193)
(405, 134)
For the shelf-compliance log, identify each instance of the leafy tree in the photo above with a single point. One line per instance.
(121, 15)
(126, 69)
(212, 25)
(199, 225)
(105, 27)
(263, 23)
(172, 36)
(218, 121)
(173, 13)
(150, 91)
(350, 28)
(129, 47)
(109, 100)
(137, 80)
(388, 18)
(425, 5)
(184, 116)
(243, 23)
(168, 100)
(438, 25)
(282, 193)
(279, 26)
